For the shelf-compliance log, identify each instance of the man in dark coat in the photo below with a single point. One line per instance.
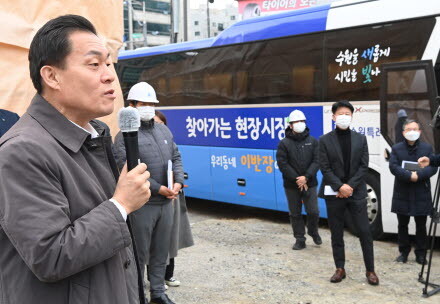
(7, 120)
(64, 238)
(412, 190)
(343, 159)
(297, 158)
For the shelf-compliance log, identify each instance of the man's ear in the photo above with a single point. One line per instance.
(49, 77)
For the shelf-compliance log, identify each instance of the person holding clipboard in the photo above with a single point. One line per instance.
(412, 190)
(152, 224)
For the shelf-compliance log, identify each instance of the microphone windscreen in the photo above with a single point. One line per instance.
(129, 119)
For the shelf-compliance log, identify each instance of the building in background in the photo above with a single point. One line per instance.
(234, 11)
(219, 19)
(151, 23)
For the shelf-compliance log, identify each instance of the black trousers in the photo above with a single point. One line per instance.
(296, 199)
(358, 210)
(403, 235)
(169, 273)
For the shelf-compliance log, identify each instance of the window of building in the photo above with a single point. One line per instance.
(196, 23)
(197, 34)
(220, 27)
(232, 17)
(158, 7)
(158, 28)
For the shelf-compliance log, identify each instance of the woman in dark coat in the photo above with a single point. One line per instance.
(412, 190)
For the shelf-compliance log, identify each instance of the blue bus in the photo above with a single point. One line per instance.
(227, 98)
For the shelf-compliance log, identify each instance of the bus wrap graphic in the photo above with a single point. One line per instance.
(256, 128)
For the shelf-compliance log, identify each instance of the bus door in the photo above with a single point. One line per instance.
(408, 91)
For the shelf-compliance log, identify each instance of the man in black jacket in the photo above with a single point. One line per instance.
(297, 158)
(343, 158)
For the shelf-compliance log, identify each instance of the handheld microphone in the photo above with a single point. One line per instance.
(129, 123)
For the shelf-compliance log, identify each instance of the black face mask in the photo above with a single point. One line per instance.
(435, 122)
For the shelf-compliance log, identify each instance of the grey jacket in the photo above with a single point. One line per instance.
(61, 239)
(156, 147)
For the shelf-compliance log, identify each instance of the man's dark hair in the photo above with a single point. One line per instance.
(51, 45)
(408, 121)
(342, 104)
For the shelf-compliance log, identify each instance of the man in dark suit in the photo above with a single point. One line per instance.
(7, 120)
(343, 158)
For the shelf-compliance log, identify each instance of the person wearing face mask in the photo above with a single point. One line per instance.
(297, 157)
(343, 159)
(152, 224)
(412, 191)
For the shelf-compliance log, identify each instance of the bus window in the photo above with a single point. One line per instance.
(408, 93)
(218, 84)
(304, 79)
(176, 85)
(286, 70)
(161, 85)
(354, 56)
(241, 88)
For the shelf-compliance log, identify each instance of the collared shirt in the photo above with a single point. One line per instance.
(94, 134)
(89, 129)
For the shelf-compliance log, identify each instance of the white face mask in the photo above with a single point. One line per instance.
(146, 113)
(299, 127)
(343, 121)
(412, 135)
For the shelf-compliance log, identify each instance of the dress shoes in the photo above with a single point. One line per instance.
(163, 299)
(338, 276)
(420, 259)
(402, 258)
(372, 278)
(317, 239)
(299, 245)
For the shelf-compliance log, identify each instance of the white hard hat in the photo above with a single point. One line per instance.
(142, 91)
(296, 115)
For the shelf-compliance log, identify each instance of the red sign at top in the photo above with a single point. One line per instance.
(256, 7)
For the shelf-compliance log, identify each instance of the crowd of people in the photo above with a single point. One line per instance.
(342, 157)
(78, 227)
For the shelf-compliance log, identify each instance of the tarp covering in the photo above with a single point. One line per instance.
(21, 19)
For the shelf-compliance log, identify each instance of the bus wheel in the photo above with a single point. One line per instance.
(373, 208)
